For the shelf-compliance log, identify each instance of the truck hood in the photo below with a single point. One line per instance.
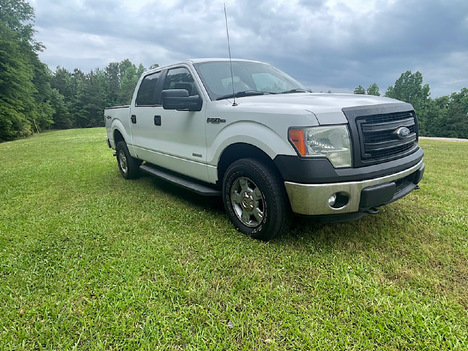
(327, 108)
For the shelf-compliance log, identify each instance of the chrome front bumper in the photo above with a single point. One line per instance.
(313, 199)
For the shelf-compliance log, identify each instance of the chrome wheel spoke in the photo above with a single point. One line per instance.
(236, 198)
(258, 214)
(123, 162)
(244, 184)
(245, 217)
(257, 194)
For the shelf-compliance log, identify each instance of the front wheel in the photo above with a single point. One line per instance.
(255, 199)
(128, 165)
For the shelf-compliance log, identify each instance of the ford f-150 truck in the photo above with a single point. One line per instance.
(247, 132)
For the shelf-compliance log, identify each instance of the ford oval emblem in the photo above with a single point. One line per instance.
(403, 132)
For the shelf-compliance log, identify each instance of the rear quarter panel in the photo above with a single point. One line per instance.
(118, 118)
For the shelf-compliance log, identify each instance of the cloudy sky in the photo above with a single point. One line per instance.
(326, 44)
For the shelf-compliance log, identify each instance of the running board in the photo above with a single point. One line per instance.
(181, 181)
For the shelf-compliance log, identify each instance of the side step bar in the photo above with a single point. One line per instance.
(181, 181)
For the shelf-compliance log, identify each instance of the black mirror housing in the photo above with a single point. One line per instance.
(179, 99)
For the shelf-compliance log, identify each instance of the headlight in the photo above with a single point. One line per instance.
(331, 142)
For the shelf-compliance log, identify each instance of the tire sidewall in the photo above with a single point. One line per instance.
(132, 165)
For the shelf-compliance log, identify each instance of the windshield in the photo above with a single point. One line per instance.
(249, 78)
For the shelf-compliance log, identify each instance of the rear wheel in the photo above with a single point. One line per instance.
(255, 199)
(128, 165)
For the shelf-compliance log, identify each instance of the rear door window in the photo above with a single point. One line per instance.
(147, 92)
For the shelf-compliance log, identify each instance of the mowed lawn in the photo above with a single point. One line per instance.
(89, 260)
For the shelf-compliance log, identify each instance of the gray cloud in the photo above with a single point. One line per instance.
(333, 44)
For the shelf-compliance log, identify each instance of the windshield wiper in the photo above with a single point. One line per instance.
(242, 94)
(296, 90)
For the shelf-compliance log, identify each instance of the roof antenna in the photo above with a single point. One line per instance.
(230, 58)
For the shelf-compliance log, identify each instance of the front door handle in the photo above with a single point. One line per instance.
(133, 118)
(157, 120)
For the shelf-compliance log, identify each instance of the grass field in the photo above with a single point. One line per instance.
(89, 260)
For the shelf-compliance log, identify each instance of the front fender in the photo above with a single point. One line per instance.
(251, 133)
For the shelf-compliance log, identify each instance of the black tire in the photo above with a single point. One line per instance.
(128, 165)
(255, 199)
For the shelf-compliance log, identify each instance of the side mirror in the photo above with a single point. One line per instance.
(179, 99)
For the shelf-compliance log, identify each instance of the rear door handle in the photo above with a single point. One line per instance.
(133, 118)
(157, 120)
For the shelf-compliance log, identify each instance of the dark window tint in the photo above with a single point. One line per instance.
(146, 93)
(180, 78)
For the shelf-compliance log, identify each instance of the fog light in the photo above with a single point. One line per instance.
(332, 200)
(338, 200)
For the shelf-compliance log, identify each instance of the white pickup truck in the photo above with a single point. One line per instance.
(250, 133)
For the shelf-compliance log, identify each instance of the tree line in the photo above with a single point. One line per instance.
(33, 98)
(83, 96)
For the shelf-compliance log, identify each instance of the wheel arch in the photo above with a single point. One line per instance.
(118, 136)
(119, 133)
(238, 151)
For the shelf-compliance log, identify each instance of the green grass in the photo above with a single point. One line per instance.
(89, 260)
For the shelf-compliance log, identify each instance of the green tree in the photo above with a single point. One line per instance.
(359, 90)
(61, 116)
(129, 75)
(141, 69)
(409, 88)
(455, 123)
(18, 16)
(16, 88)
(43, 110)
(127, 85)
(62, 97)
(62, 81)
(24, 80)
(436, 116)
(43, 116)
(87, 94)
(121, 78)
(373, 90)
(88, 103)
(113, 83)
